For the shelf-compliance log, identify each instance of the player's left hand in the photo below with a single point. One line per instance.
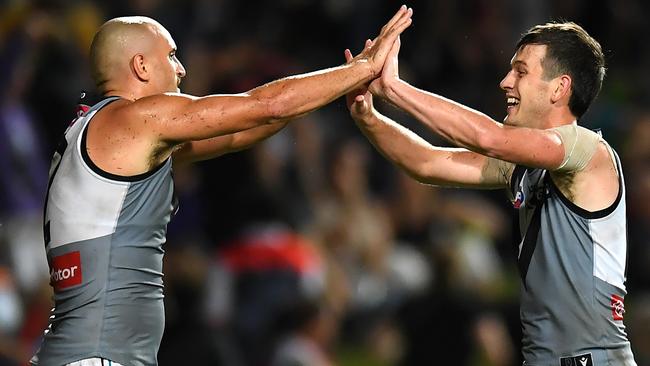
(375, 52)
(359, 101)
(390, 72)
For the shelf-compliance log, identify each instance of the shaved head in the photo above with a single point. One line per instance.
(117, 42)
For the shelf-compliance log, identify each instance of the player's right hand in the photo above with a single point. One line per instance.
(389, 74)
(380, 47)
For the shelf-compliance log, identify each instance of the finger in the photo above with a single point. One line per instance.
(403, 22)
(368, 44)
(358, 103)
(395, 49)
(348, 55)
(400, 12)
(360, 106)
(397, 28)
(399, 23)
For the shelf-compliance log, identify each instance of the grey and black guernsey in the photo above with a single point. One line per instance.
(103, 237)
(572, 264)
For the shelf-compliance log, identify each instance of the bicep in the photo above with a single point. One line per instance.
(192, 151)
(535, 148)
(178, 118)
(458, 167)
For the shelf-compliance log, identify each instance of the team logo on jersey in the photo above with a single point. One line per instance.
(618, 307)
(581, 360)
(519, 199)
(65, 271)
(81, 109)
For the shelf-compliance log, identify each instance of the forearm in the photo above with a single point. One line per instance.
(177, 118)
(440, 166)
(213, 147)
(294, 96)
(459, 124)
(397, 144)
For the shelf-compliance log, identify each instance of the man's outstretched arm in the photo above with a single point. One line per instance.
(172, 119)
(449, 167)
(466, 127)
(475, 131)
(453, 167)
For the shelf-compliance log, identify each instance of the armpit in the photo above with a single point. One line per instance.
(497, 172)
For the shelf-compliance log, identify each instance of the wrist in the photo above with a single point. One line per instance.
(366, 69)
(364, 119)
(390, 88)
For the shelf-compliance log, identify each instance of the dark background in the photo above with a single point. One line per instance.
(311, 246)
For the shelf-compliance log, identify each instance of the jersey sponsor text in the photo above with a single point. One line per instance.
(65, 271)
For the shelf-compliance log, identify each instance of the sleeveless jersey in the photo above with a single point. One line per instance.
(103, 237)
(572, 264)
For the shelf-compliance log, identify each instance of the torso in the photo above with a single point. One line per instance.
(104, 235)
(572, 262)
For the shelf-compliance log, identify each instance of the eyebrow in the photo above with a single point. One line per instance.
(519, 63)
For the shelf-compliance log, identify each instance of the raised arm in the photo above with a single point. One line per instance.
(449, 167)
(176, 118)
(134, 135)
(454, 167)
(466, 127)
(475, 131)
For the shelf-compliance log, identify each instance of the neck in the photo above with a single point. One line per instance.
(129, 92)
(559, 118)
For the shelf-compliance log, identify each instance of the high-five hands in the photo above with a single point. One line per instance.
(359, 101)
(390, 72)
(377, 50)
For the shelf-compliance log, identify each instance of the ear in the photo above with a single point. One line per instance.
(562, 88)
(139, 67)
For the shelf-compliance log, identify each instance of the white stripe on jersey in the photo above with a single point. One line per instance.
(610, 245)
(82, 205)
(610, 238)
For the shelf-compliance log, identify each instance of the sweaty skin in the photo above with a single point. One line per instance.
(135, 58)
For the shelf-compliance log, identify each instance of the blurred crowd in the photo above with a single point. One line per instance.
(310, 249)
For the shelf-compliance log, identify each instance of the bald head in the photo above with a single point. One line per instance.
(117, 42)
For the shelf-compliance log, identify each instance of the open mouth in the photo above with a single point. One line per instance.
(512, 102)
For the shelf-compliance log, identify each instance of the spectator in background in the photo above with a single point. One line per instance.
(458, 52)
(308, 329)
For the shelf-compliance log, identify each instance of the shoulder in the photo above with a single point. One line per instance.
(152, 106)
(141, 116)
(604, 159)
(597, 185)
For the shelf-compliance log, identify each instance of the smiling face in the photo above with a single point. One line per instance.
(528, 90)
